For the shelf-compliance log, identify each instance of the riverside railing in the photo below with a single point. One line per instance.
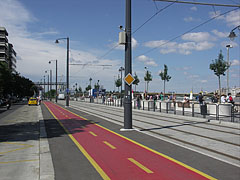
(221, 112)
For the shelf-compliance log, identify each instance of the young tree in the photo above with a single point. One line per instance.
(88, 87)
(165, 77)
(148, 78)
(136, 81)
(118, 83)
(219, 66)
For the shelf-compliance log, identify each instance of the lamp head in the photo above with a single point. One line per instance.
(232, 35)
(56, 41)
(49, 62)
(229, 46)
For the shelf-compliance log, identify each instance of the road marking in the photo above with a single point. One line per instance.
(108, 144)
(145, 147)
(19, 161)
(154, 151)
(140, 165)
(90, 159)
(92, 133)
(13, 150)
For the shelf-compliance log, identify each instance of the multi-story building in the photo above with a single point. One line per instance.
(7, 53)
(3, 45)
(11, 58)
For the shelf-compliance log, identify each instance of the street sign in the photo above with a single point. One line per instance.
(129, 79)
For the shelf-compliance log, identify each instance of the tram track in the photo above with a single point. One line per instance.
(160, 126)
(160, 118)
(92, 110)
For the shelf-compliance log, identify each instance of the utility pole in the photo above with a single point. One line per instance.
(121, 69)
(228, 46)
(44, 87)
(128, 69)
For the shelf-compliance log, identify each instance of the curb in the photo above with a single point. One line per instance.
(45, 159)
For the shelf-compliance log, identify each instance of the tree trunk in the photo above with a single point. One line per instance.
(135, 88)
(219, 84)
(147, 86)
(164, 89)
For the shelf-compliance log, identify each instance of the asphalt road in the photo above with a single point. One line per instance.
(70, 163)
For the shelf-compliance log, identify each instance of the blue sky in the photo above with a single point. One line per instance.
(93, 29)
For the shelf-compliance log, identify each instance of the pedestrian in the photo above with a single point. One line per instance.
(138, 102)
(161, 96)
(200, 98)
(229, 98)
(223, 98)
(215, 98)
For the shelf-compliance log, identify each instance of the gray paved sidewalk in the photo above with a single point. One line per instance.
(24, 150)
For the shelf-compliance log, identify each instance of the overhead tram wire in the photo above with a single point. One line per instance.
(205, 22)
(160, 10)
(114, 47)
(198, 3)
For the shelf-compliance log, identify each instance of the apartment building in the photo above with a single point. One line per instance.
(7, 53)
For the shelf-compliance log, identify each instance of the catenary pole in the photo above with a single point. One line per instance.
(128, 69)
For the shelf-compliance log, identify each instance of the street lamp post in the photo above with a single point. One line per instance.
(120, 70)
(44, 87)
(228, 46)
(67, 72)
(48, 82)
(56, 98)
(232, 34)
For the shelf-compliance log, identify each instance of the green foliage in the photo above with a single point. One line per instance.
(14, 84)
(136, 81)
(219, 66)
(164, 75)
(148, 76)
(96, 86)
(118, 82)
(88, 87)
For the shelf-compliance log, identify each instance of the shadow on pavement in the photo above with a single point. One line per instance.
(26, 131)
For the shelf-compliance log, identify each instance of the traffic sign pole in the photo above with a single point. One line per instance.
(128, 70)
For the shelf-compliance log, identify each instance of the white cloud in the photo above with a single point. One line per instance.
(197, 37)
(220, 34)
(235, 62)
(203, 81)
(191, 19)
(232, 18)
(146, 60)
(33, 54)
(188, 19)
(194, 8)
(182, 48)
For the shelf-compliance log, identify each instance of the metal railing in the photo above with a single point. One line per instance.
(221, 112)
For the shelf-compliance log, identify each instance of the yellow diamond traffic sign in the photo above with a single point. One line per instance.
(129, 79)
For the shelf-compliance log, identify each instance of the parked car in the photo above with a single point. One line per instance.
(32, 101)
(5, 103)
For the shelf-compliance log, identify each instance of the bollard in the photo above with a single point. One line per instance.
(167, 107)
(183, 109)
(148, 105)
(192, 109)
(232, 113)
(143, 105)
(174, 107)
(217, 112)
(160, 106)
(154, 105)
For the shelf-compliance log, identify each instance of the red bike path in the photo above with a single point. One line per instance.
(117, 157)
